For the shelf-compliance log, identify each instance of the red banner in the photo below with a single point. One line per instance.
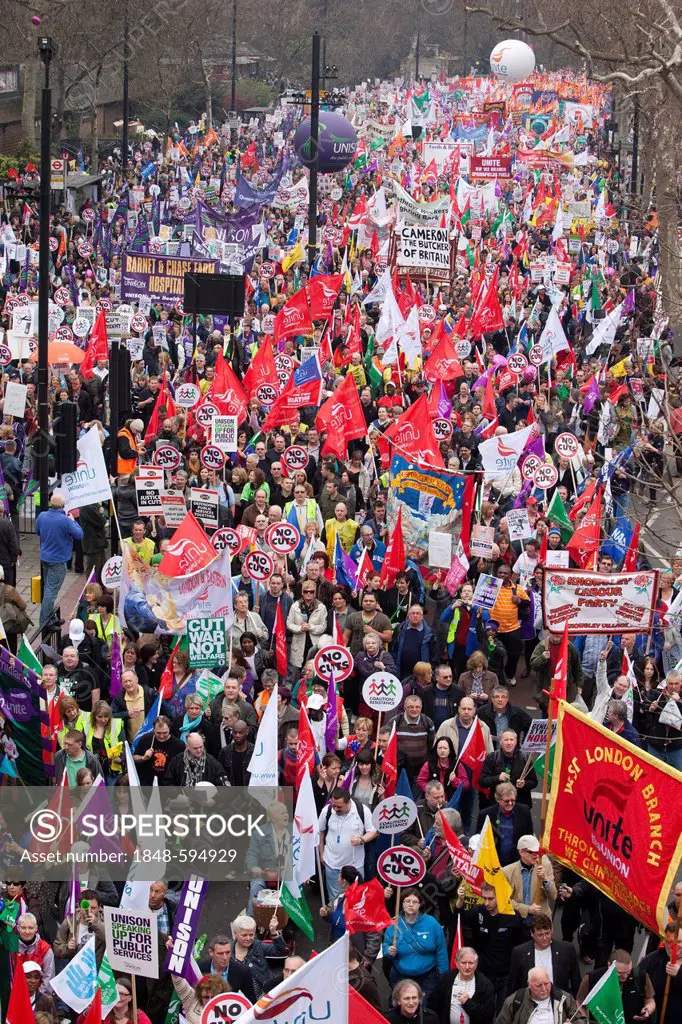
(615, 816)
(485, 167)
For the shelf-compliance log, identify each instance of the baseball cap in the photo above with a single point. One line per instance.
(529, 843)
(76, 631)
(492, 624)
(30, 966)
(316, 701)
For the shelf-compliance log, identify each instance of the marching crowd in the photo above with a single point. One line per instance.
(460, 665)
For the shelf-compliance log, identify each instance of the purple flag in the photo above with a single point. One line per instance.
(534, 446)
(444, 403)
(591, 396)
(629, 302)
(349, 779)
(520, 499)
(331, 729)
(74, 897)
(185, 927)
(115, 686)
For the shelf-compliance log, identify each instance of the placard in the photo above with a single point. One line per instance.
(593, 602)
(204, 505)
(401, 866)
(132, 941)
(174, 507)
(518, 523)
(224, 433)
(424, 247)
(394, 814)
(440, 550)
(206, 642)
(535, 741)
(112, 571)
(487, 591)
(148, 489)
(557, 559)
(382, 691)
(482, 168)
(482, 540)
(334, 659)
(15, 399)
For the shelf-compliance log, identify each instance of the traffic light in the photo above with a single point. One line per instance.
(65, 434)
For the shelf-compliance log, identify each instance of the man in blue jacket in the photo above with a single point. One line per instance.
(57, 531)
(414, 641)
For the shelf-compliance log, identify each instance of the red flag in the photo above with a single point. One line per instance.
(294, 317)
(412, 434)
(389, 765)
(365, 567)
(166, 681)
(360, 1011)
(95, 1009)
(489, 408)
(226, 391)
(323, 291)
(262, 370)
(285, 407)
(394, 560)
(443, 363)
(467, 511)
(456, 945)
(164, 407)
(630, 560)
(341, 418)
(338, 632)
(488, 314)
(189, 551)
(560, 678)
(542, 553)
(585, 541)
(19, 1009)
(98, 347)
(460, 857)
(365, 908)
(281, 660)
(306, 749)
(584, 498)
(473, 753)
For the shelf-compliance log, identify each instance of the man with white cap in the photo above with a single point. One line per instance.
(41, 1001)
(531, 878)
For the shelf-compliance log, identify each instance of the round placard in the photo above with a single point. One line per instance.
(225, 1008)
(81, 327)
(382, 691)
(517, 362)
(167, 457)
(537, 355)
(566, 445)
(62, 296)
(64, 333)
(545, 476)
(227, 538)
(266, 394)
(187, 395)
(259, 565)
(333, 660)
(462, 348)
(426, 314)
(282, 537)
(206, 413)
(139, 323)
(5, 355)
(394, 815)
(442, 429)
(212, 457)
(112, 572)
(85, 249)
(295, 457)
(529, 466)
(401, 866)
(267, 270)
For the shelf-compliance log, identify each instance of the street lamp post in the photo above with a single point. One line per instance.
(47, 49)
(126, 104)
(314, 149)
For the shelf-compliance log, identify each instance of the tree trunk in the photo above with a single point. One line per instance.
(28, 100)
(209, 99)
(666, 159)
(94, 141)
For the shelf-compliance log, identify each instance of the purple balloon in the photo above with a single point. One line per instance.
(530, 373)
(337, 141)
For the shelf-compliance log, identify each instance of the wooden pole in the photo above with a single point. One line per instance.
(673, 959)
(376, 745)
(132, 982)
(397, 912)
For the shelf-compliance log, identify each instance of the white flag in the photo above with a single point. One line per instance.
(501, 454)
(316, 991)
(605, 331)
(409, 339)
(306, 832)
(380, 289)
(77, 983)
(263, 763)
(90, 481)
(552, 339)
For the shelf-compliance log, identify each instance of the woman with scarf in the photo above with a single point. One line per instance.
(194, 719)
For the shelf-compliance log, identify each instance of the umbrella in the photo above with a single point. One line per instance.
(64, 352)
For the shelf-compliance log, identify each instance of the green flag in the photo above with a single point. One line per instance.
(539, 766)
(293, 901)
(556, 512)
(107, 982)
(595, 301)
(604, 1001)
(26, 654)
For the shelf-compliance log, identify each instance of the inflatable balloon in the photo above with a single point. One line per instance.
(337, 142)
(512, 60)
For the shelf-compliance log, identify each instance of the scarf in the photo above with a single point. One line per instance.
(188, 725)
(194, 769)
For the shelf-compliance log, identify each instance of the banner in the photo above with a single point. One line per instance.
(185, 928)
(206, 642)
(615, 817)
(20, 705)
(440, 152)
(424, 247)
(132, 941)
(413, 212)
(593, 602)
(545, 159)
(89, 483)
(77, 983)
(429, 500)
(154, 603)
(158, 278)
(481, 168)
(246, 195)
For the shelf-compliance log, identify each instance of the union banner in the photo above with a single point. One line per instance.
(614, 816)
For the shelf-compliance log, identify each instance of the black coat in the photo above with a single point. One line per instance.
(565, 967)
(175, 772)
(93, 523)
(519, 720)
(496, 763)
(523, 826)
(9, 545)
(480, 1008)
(120, 708)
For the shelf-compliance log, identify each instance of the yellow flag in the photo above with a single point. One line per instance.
(622, 368)
(487, 860)
(297, 255)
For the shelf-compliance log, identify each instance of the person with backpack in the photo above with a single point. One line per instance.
(345, 829)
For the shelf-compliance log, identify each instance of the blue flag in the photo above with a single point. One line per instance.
(293, 519)
(345, 568)
(618, 542)
(148, 724)
(308, 371)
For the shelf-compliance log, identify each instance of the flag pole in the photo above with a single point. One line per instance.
(132, 982)
(320, 875)
(666, 991)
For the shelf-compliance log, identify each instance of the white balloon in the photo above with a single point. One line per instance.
(512, 60)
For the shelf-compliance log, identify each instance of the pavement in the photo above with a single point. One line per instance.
(29, 566)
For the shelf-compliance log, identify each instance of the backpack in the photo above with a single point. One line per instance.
(14, 620)
(358, 807)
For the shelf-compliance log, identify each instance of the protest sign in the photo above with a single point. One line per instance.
(89, 483)
(438, 151)
(458, 570)
(487, 591)
(424, 248)
(440, 550)
(206, 642)
(519, 524)
(394, 814)
(482, 540)
(174, 507)
(615, 817)
(132, 941)
(148, 488)
(118, 324)
(413, 212)
(185, 928)
(557, 559)
(224, 432)
(401, 866)
(162, 278)
(592, 602)
(429, 501)
(535, 741)
(204, 505)
(482, 168)
(15, 399)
